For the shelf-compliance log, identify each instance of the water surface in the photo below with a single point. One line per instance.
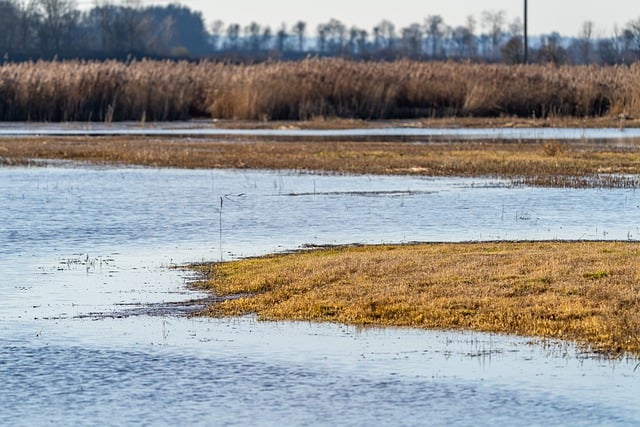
(84, 248)
(204, 128)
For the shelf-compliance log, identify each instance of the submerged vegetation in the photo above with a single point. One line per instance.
(542, 163)
(165, 90)
(587, 292)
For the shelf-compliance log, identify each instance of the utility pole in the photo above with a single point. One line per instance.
(526, 32)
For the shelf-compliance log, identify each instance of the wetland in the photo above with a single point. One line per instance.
(557, 160)
(95, 227)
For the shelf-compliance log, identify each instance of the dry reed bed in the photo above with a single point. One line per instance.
(163, 90)
(95, 91)
(551, 164)
(588, 292)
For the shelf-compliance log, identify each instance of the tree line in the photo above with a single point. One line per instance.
(47, 29)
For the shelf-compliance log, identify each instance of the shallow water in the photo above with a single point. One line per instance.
(203, 128)
(80, 244)
(85, 210)
(158, 371)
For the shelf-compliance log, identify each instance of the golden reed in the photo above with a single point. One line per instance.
(166, 90)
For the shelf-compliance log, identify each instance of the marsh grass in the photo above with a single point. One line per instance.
(552, 164)
(167, 90)
(588, 292)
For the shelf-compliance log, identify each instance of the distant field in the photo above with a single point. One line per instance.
(165, 90)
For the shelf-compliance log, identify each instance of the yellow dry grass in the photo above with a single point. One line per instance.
(588, 292)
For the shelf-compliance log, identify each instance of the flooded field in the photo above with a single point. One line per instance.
(86, 261)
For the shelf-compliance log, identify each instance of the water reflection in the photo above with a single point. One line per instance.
(240, 372)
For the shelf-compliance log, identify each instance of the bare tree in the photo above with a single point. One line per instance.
(217, 28)
(9, 30)
(113, 25)
(332, 36)
(632, 33)
(513, 51)
(233, 36)
(58, 17)
(459, 37)
(412, 39)
(377, 38)
(27, 25)
(281, 38)
(434, 25)
(322, 37)
(386, 33)
(362, 42)
(353, 40)
(469, 36)
(299, 30)
(131, 30)
(252, 36)
(267, 36)
(551, 50)
(493, 22)
(515, 28)
(585, 41)
(338, 33)
(608, 51)
(158, 41)
(630, 46)
(623, 41)
(446, 45)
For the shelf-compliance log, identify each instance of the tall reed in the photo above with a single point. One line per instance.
(94, 91)
(164, 90)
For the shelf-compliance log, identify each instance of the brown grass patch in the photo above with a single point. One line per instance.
(588, 292)
(553, 164)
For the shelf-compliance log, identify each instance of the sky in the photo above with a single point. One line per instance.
(545, 16)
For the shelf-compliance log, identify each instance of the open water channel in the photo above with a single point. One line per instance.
(89, 335)
(202, 128)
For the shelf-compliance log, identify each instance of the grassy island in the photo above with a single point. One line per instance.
(587, 292)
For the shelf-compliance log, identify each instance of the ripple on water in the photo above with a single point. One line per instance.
(84, 240)
(241, 372)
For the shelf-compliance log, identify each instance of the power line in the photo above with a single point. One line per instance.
(526, 32)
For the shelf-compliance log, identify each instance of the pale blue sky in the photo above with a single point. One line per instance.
(565, 16)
